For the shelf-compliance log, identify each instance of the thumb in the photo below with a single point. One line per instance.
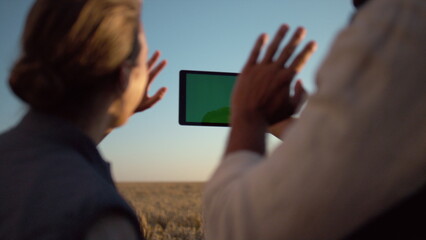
(148, 102)
(299, 94)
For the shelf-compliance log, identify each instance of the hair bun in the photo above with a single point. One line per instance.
(36, 84)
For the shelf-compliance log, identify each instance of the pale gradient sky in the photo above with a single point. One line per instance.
(193, 35)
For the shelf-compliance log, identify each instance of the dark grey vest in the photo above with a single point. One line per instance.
(53, 182)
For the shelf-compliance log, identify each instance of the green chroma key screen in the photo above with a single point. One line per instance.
(205, 97)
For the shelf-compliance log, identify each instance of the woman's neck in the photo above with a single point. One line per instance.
(96, 123)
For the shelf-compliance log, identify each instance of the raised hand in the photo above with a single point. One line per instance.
(154, 69)
(263, 87)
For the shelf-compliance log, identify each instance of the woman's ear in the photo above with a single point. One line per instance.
(124, 78)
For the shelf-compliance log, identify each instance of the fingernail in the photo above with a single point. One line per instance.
(313, 45)
(301, 31)
(264, 37)
(284, 27)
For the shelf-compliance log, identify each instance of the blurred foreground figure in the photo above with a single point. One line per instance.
(353, 166)
(83, 71)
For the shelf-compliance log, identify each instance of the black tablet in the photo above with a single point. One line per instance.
(205, 97)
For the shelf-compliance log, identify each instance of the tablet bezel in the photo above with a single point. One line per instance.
(182, 96)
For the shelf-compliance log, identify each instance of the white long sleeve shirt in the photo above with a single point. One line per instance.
(358, 148)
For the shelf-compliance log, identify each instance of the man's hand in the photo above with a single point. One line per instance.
(154, 69)
(261, 95)
(263, 87)
(297, 100)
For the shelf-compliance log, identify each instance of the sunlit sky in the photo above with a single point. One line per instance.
(193, 35)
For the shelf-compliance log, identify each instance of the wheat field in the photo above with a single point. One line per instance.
(167, 211)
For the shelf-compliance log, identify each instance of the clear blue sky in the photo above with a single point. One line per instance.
(193, 35)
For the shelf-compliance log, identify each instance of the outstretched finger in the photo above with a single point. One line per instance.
(156, 97)
(151, 101)
(153, 59)
(272, 49)
(291, 46)
(301, 59)
(256, 50)
(154, 72)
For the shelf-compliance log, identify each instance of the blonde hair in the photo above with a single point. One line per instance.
(73, 48)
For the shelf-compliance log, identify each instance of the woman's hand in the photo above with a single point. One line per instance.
(263, 87)
(153, 70)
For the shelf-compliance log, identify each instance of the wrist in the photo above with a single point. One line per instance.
(248, 118)
(247, 133)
